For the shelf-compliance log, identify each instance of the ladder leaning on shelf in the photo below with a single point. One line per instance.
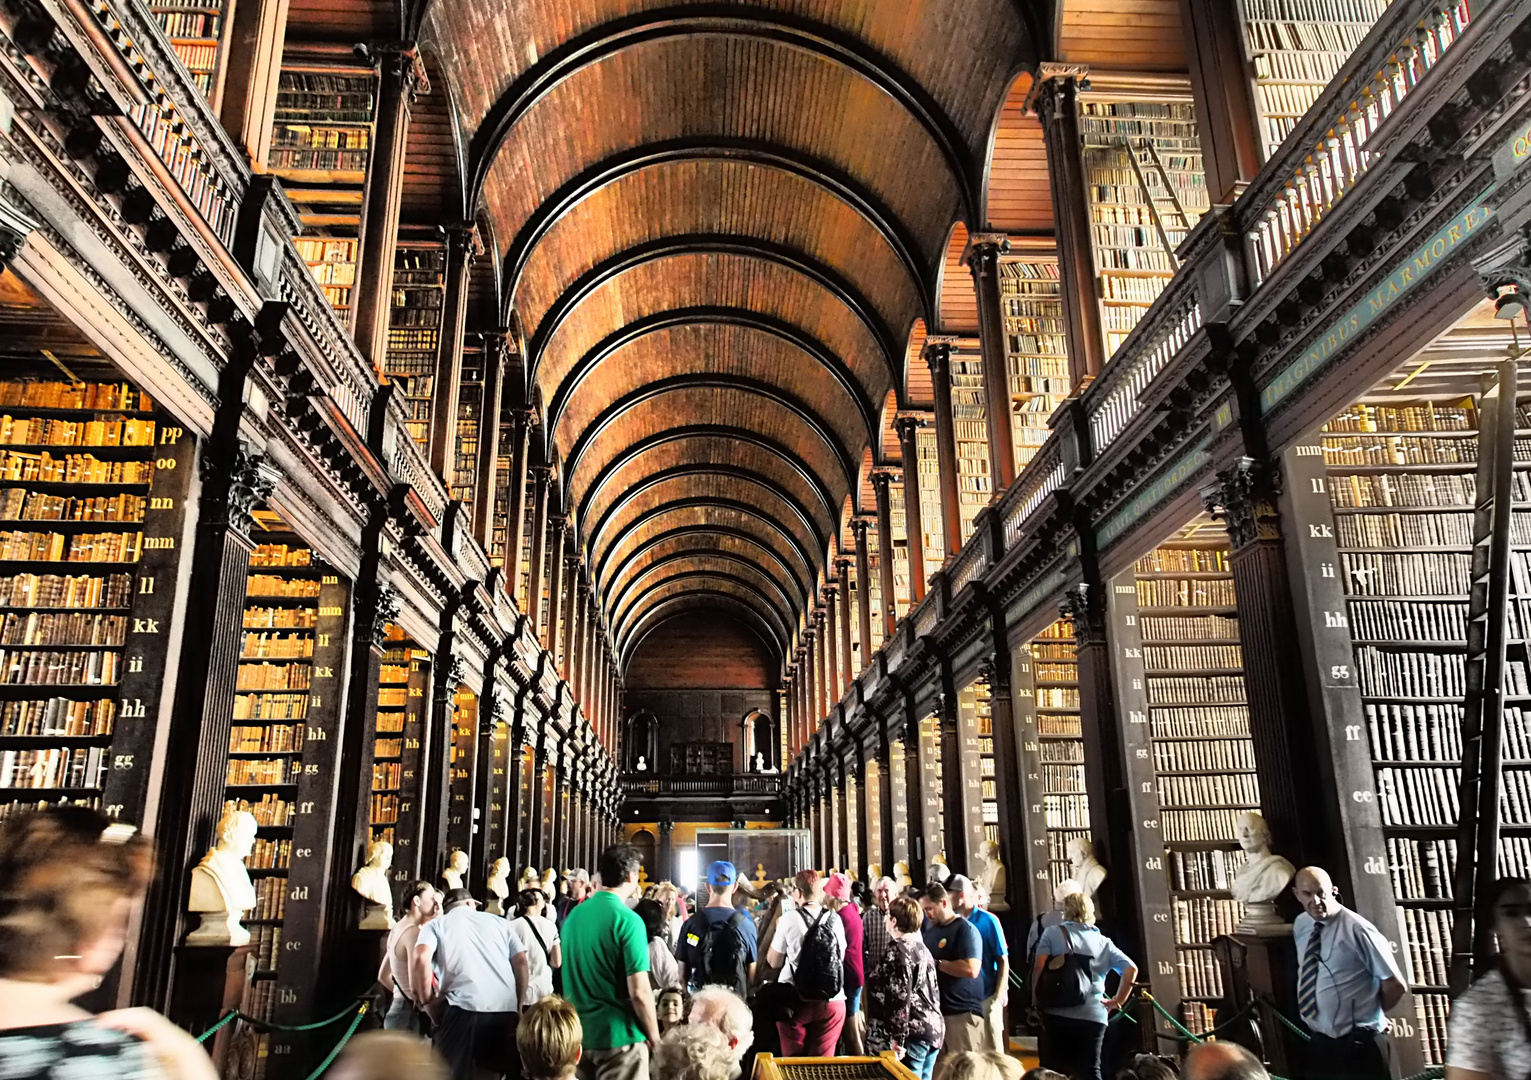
(1147, 146)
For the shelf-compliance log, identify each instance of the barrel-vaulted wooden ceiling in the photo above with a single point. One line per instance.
(716, 225)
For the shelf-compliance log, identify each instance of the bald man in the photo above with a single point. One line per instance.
(1346, 979)
(1223, 1061)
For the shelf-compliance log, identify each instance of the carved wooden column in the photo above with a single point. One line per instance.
(402, 78)
(462, 245)
(953, 789)
(913, 524)
(246, 102)
(1008, 792)
(833, 688)
(579, 630)
(859, 526)
(235, 479)
(558, 859)
(486, 479)
(1057, 104)
(568, 605)
(555, 563)
(539, 837)
(885, 803)
(914, 788)
(1231, 147)
(882, 479)
(864, 812)
(848, 671)
(1111, 824)
(1280, 722)
(541, 475)
(982, 258)
(938, 354)
(517, 421)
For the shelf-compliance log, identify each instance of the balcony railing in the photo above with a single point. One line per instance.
(1334, 135)
(719, 787)
(1043, 475)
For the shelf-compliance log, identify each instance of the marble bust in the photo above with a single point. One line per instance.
(1086, 870)
(901, 876)
(529, 879)
(549, 885)
(1262, 878)
(989, 872)
(371, 883)
(874, 871)
(457, 868)
(221, 891)
(938, 871)
(498, 886)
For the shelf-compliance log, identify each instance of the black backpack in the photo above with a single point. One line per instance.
(725, 960)
(821, 961)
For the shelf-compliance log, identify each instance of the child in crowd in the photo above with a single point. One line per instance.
(672, 1009)
(549, 1038)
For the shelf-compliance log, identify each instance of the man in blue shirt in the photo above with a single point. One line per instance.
(996, 960)
(958, 949)
(1346, 978)
(737, 954)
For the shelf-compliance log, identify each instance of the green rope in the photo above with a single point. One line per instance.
(341, 1045)
(266, 1025)
(1299, 1032)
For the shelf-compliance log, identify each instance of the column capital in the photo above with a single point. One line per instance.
(402, 60)
(985, 246)
(906, 424)
(844, 562)
(885, 475)
(1082, 605)
(542, 474)
(860, 524)
(1243, 498)
(463, 239)
(937, 352)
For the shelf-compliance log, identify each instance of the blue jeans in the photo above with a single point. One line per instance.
(920, 1057)
(853, 1001)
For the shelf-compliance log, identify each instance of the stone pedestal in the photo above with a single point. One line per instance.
(209, 981)
(1262, 966)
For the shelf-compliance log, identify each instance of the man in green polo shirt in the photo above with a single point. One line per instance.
(606, 973)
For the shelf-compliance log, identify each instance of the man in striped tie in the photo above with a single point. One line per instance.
(1346, 979)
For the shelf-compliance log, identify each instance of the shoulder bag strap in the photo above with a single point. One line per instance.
(546, 955)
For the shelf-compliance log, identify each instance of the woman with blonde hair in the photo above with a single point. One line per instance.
(1068, 985)
(978, 1065)
(69, 878)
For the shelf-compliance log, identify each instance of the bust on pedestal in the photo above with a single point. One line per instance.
(498, 886)
(989, 872)
(1086, 870)
(221, 891)
(457, 868)
(1261, 880)
(901, 876)
(371, 883)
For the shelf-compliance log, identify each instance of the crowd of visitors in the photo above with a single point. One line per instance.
(620, 983)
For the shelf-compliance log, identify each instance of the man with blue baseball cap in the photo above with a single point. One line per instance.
(718, 945)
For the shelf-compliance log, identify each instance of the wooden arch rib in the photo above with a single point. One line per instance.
(825, 177)
(697, 567)
(765, 26)
(656, 343)
(679, 545)
(672, 606)
(690, 392)
(719, 196)
(703, 454)
(693, 557)
(742, 435)
(700, 512)
(730, 481)
(713, 586)
(720, 537)
(826, 277)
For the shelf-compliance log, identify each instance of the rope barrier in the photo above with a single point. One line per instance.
(341, 1045)
(266, 1025)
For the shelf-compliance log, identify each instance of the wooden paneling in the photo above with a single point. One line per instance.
(958, 298)
(721, 280)
(432, 190)
(726, 407)
(343, 22)
(1018, 198)
(738, 88)
(715, 197)
(700, 651)
(703, 451)
(917, 389)
(1127, 35)
(709, 348)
